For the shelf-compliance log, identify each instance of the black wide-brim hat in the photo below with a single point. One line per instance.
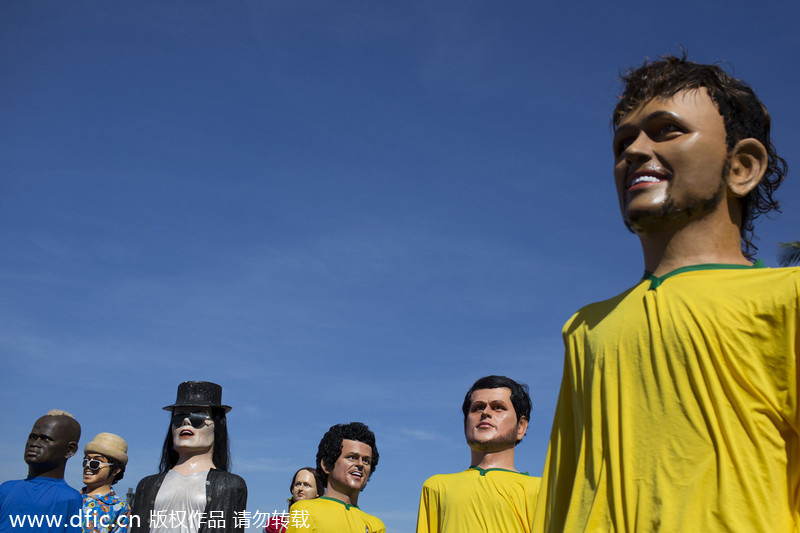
(199, 394)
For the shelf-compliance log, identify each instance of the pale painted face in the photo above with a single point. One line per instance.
(304, 486)
(97, 478)
(491, 423)
(189, 438)
(352, 469)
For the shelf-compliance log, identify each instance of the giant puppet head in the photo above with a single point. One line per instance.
(197, 425)
(51, 442)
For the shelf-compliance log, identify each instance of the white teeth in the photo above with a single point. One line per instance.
(647, 179)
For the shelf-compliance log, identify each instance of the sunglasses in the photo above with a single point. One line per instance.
(197, 420)
(94, 464)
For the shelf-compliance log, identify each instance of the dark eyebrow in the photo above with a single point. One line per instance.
(660, 113)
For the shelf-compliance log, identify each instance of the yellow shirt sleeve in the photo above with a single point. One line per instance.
(427, 517)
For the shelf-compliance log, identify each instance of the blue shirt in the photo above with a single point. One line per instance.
(40, 504)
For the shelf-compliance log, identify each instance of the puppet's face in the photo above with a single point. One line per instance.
(192, 429)
(491, 423)
(97, 477)
(304, 486)
(49, 443)
(351, 471)
(670, 157)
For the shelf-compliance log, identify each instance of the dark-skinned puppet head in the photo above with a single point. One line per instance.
(51, 442)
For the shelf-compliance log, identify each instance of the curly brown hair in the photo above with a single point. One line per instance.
(743, 114)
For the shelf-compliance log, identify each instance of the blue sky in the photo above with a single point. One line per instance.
(338, 211)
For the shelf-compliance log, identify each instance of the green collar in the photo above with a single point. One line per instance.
(656, 281)
(346, 505)
(483, 471)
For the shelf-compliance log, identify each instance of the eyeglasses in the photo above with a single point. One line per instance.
(197, 420)
(94, 464)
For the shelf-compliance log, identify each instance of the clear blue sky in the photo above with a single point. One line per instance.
(338, 211)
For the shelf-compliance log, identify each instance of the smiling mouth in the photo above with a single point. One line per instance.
(185, 433)
(643, 181)
(645, 177)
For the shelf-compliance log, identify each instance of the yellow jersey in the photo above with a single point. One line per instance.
(329, 515)
(678, 408)
(492, 501)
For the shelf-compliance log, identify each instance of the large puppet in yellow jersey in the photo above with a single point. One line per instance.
(678, 406)
(346, 458)
(490, 495)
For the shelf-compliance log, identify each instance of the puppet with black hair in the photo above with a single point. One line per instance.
(346, 458)
(193, 482)
(491, 492)
(679, 407)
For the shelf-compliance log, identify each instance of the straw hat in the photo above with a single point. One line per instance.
(110, 445)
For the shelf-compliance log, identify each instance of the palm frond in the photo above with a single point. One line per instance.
(789, 253)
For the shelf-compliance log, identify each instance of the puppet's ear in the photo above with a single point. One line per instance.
(325, 467)
(748, 164)
(522, 428)
(72, 449)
